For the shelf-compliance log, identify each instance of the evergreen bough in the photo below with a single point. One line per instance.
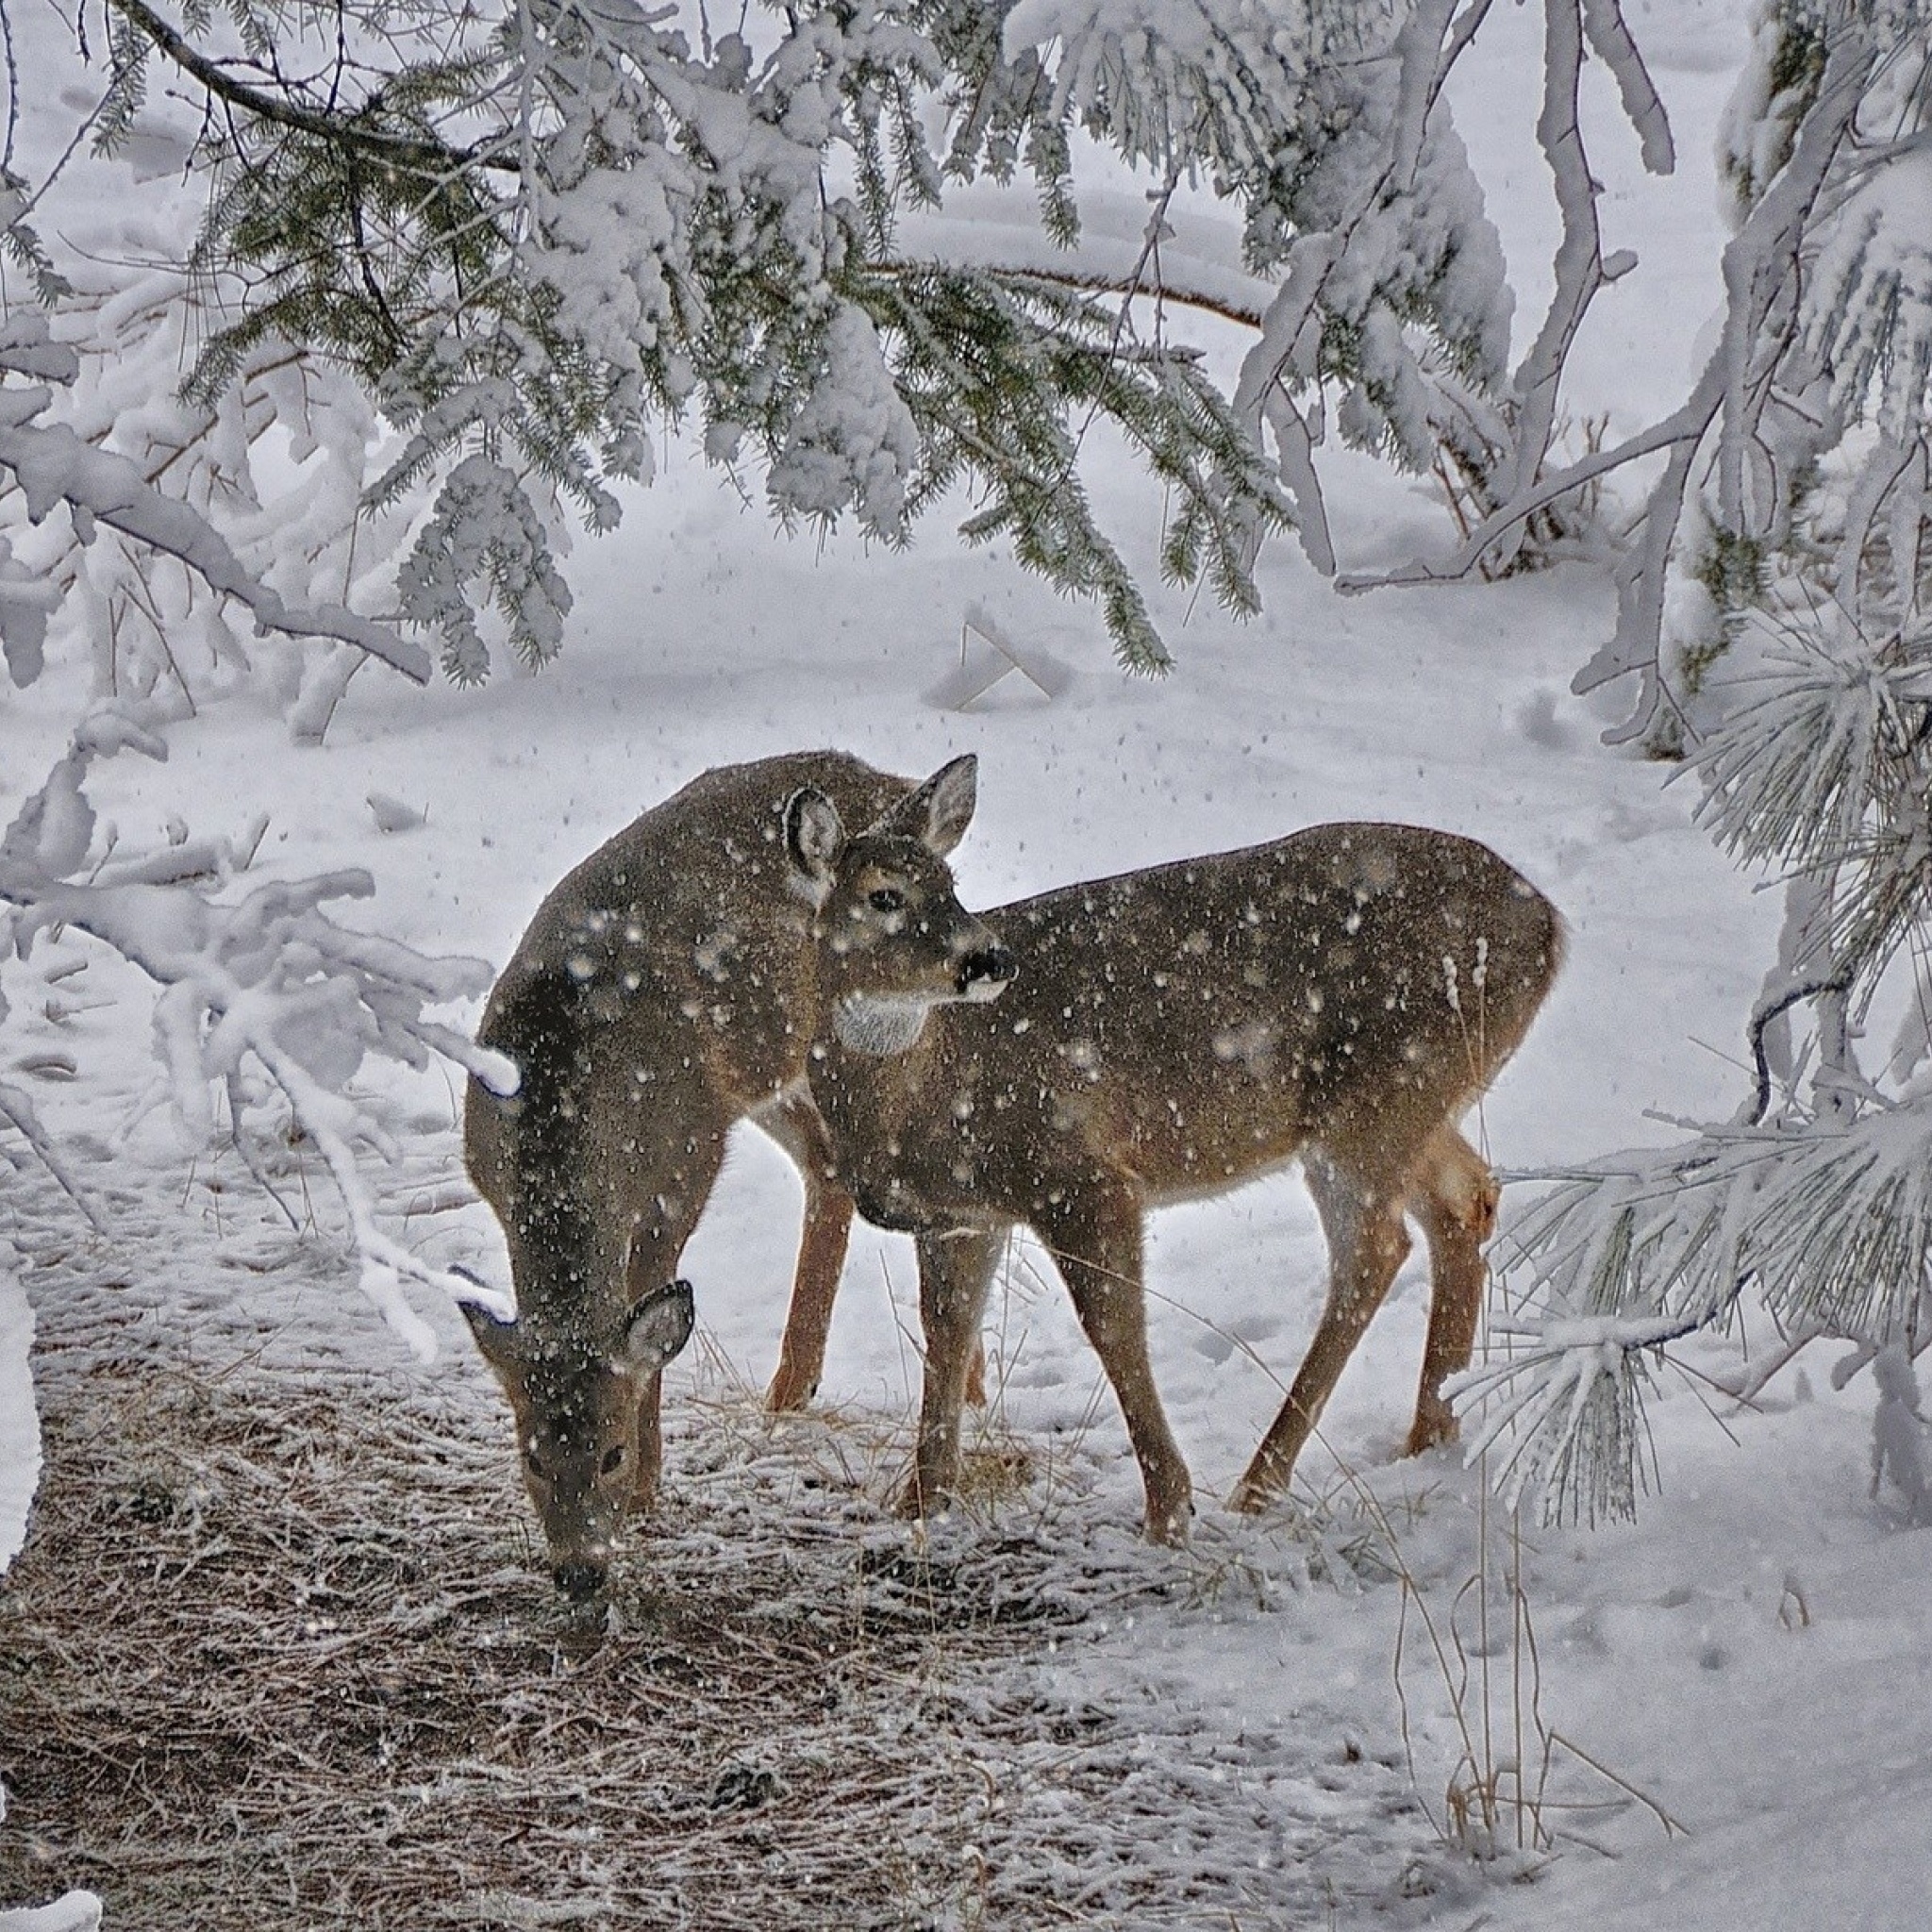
(539, 233)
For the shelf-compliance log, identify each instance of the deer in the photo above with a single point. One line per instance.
(1071, 1061)
(663, 992)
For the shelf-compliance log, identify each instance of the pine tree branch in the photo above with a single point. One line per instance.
(1006, 275)
(1100, 284)
(1768, 1010)
(1580, 271)
(412, 151)
(1688, 425)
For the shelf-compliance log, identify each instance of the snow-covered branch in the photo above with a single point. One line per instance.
(54, 468)
(1828, 285)
(602, 218)
(269, 980)
(1389, 224)
(1831, 1227)
(1581, 269)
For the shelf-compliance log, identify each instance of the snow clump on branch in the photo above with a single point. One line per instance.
(853, 442)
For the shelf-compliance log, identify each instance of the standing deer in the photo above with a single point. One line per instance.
(663, 992)
(1343, 994)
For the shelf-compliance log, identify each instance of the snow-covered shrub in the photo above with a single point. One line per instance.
(1817, 1195)
(136, 527)
(1902, 1435)
(262, 984)
(267, 982)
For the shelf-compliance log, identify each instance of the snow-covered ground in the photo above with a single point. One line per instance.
(1753, 1655)
(19, 1436)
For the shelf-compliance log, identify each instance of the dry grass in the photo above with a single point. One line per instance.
(277, 1654)
(279, 1651)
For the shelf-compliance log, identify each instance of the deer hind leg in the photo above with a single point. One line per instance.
(1367, 1243)
(794, 1123)
(955, 1271)
(1094, 1237)
(1454, 1196)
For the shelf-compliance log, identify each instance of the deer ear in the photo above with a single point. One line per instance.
(495, 1337)
(657, 1326)
(939, 812)
(814, 837)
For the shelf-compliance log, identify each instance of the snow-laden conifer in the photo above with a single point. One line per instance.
(539, 233)
(1806, 707)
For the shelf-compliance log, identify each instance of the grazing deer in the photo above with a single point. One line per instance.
(663, 992)
(1343, 994)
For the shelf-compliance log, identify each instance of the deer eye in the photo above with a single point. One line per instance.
(534, 1463)
(612, 1456)
(887, 899)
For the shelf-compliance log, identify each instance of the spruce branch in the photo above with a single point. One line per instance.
(359, 128)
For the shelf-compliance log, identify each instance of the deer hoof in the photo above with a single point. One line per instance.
(1432, 1431)
(1251, 1498)
(789, 1393)
(1170, 1526)
(917, 1500)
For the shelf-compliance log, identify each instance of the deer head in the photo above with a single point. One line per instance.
(894, 940)
(578, 1395)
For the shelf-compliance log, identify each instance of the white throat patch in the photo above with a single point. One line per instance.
(880, 1024)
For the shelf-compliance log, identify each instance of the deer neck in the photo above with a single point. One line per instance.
(870, 1068)
(879, 1026)
(877, 1107)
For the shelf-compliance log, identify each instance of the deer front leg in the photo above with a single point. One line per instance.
(657, 1240)
(1367, 1243)
(814, 1286)
(1094, 1237)
(1455, 1198)
(795, 1124)
(650, 1462)
(955, 1271)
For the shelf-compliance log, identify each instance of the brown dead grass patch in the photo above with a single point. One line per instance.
(279, 1653)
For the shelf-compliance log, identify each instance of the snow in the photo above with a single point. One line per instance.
(20, 1429)
(1754, 1654)
(78, 1911)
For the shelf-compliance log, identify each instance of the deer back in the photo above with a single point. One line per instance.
(1191, 1025)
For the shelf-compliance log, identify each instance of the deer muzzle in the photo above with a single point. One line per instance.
(579, 1580)
(983, 973)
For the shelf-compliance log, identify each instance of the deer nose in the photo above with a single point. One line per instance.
(578, 1581)
(985, 967)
